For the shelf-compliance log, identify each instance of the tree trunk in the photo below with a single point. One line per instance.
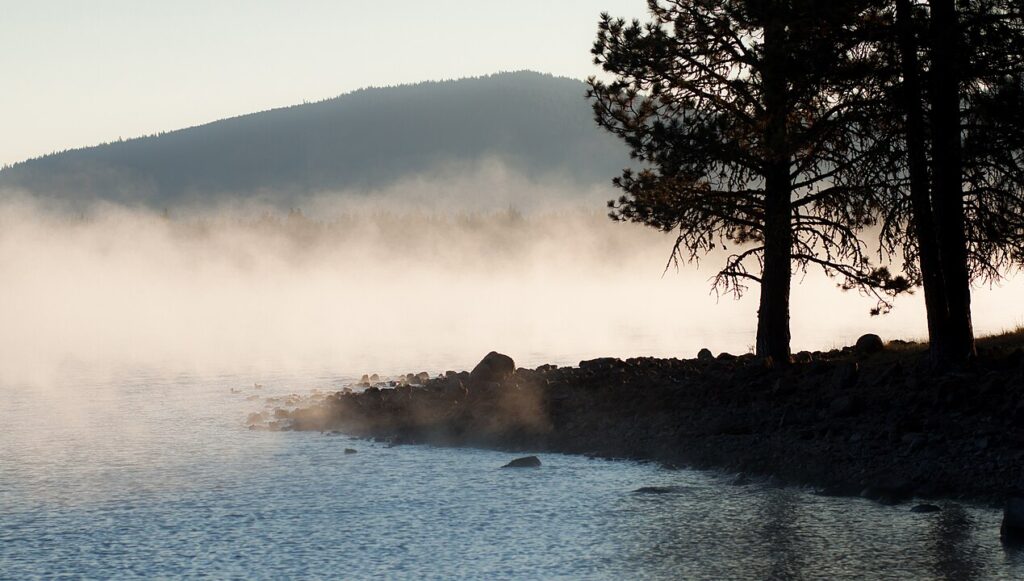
(947, 171)
(773, 314)
(920, 190)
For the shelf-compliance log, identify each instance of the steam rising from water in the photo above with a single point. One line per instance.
(393, 282)
(103, 313)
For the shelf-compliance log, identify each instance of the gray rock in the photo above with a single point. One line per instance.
(869, 344)
(351, 451)
(495, 368)
(525, 462)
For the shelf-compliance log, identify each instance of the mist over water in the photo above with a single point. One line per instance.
(430, 274)
(134, 342)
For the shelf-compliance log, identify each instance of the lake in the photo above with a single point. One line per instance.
(155, 475)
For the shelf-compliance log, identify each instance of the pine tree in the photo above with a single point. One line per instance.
(747, 118)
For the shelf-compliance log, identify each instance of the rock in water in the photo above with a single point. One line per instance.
(869, 344)
(494, 368)
(351, 451)
(705, 355)
(925, 508)
(657, 489)
(1013, 520)
(527, 462)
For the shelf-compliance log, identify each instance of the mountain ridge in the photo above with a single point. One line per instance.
(359, 141)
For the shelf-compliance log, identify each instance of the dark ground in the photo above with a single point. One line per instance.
(880, 425)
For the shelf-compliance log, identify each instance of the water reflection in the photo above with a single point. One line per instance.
(955, 551)
(712, 530)
(778, 512)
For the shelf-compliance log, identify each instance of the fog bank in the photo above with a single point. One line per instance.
(381, 288)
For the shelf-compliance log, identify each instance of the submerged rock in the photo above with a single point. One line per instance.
(657, 489)
(493, 368)
(925, 508)
(351, 451)
(525, 462)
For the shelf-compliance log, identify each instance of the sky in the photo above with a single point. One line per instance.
(79, 73)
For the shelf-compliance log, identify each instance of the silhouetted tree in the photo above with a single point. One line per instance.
(747, 118)
(958, 99)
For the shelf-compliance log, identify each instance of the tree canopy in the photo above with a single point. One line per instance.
(748, 120)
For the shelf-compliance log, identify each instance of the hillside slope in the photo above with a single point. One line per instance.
(368, 139)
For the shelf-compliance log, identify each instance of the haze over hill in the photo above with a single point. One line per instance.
(528, 123)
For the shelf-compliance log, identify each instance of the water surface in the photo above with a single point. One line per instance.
(156, 475)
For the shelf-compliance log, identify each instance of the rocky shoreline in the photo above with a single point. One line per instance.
(870, 420)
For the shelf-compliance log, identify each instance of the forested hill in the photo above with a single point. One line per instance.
(363, 140)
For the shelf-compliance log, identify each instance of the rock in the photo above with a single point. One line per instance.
(601, 364)
(422, 377)
(842, 406)
(925, 508)
(803, 357)
(705, 355)
(657, 489)
(869, 344)
(495, 367)
(723, 356)
(351, 451)
(845, 376)
(1013, 520)
(454, 388)
(525, 462)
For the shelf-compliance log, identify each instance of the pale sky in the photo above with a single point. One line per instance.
(77, 73)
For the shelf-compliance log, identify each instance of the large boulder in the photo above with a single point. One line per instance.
(705, 355)
(494, 368)
(869, 344)
(1013, 520)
